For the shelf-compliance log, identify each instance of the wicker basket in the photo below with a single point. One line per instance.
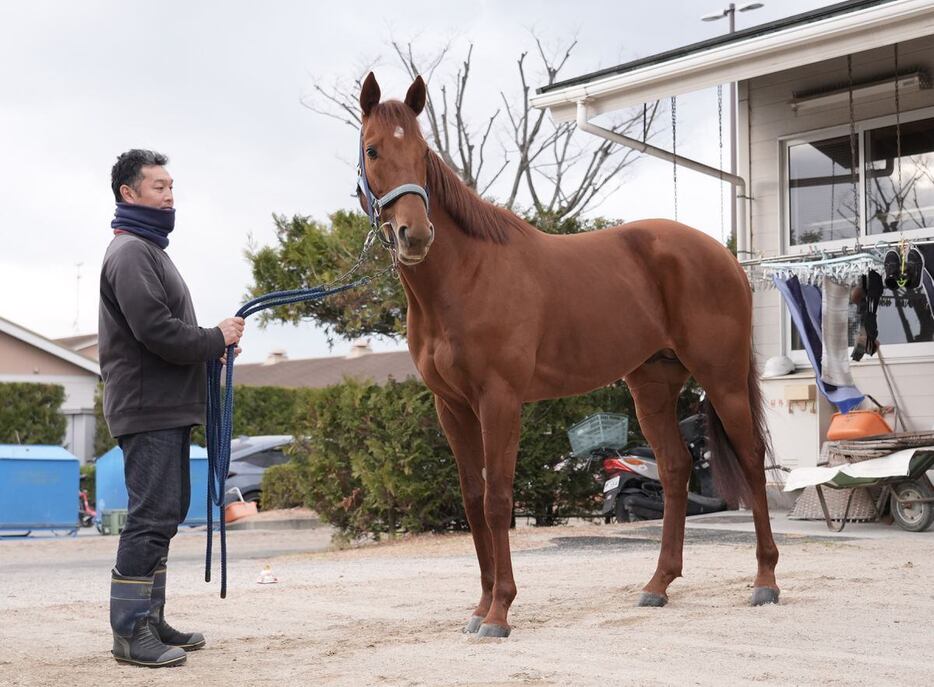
(863, 508)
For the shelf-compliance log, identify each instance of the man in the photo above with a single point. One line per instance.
(152, 355)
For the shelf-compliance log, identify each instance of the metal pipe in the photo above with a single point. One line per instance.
(737, 181)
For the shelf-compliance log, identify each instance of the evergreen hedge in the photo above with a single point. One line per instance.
(31, 413)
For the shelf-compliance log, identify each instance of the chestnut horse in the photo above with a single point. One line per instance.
(501, 314)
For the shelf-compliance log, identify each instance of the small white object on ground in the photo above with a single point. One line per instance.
(266, 576)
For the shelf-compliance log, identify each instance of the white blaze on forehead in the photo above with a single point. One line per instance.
(398, 133)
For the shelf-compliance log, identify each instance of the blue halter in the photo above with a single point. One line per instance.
(375, 206)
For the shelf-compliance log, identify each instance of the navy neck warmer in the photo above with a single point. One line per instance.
(153, 224)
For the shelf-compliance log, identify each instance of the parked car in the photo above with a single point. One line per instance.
(249, 458)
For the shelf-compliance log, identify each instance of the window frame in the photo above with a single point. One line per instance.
(906, 351)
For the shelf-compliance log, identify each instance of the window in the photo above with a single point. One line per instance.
(900, 199)
(895, 194)
(822, 191)
(266, 459)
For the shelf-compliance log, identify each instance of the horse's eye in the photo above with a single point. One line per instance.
(371, 153)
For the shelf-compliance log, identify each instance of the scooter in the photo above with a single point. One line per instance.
(86, 513)
(632, 489)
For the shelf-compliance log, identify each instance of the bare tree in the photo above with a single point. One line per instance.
(551, 173)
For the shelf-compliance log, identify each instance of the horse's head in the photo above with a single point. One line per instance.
(393, 170)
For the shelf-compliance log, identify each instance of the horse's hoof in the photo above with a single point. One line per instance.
(490, 630)
(652, 600)
(473, 624)
(764, 595)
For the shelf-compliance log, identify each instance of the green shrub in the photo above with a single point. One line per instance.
(283, 487)
(376, 460)
(31, 413)
(103, 442)
(262, 410)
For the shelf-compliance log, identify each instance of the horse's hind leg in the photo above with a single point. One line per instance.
(462, 429)
(732, 397)
(655, 388)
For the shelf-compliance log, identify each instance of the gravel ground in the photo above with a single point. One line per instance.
(856, 610)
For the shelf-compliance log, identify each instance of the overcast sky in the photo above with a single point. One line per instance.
(218, 87)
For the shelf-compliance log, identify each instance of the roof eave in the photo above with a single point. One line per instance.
(793, 47)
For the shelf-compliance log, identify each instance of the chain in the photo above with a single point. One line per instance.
(854, 162)
(674, 149)
(898, 142)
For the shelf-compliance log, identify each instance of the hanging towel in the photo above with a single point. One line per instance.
(835, 315)
(804, 305)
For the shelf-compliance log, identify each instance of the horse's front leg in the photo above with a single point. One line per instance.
(462, 428)
(500, 411)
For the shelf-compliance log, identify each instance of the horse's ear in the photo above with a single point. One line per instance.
(369, 94)
(415, 98)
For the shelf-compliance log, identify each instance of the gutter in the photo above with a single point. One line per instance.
(738, 183)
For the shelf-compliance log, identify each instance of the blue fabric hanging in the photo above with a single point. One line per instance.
(804, 303)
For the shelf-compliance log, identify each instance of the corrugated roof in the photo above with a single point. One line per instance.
(320, 372)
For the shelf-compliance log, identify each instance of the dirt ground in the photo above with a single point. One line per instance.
(855, 611)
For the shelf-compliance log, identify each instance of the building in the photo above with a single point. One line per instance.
(28, 357)
(796, 80)
(361, 364)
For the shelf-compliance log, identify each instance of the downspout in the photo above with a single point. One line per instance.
(738, 183)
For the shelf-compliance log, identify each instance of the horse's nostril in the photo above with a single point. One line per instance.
(402, 232)
(431, 233)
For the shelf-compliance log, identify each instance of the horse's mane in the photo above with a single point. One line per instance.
(472, 214)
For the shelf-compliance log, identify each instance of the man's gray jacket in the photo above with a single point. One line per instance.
(152, 351)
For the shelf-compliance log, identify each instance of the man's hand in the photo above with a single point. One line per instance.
(232, 329)
(223, 358)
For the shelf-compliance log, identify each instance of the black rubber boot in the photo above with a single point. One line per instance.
(189, 641)
(134, 641)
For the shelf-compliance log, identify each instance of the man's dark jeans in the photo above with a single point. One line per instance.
(156, 465)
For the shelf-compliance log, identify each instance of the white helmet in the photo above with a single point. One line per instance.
(778, 366)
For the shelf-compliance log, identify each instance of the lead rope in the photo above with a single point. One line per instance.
(219, 421)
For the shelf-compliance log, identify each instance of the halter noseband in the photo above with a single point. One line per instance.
(375, 206)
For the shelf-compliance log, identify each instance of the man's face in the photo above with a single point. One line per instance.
(154, 190)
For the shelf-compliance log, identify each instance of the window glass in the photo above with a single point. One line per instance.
(822, 201)
(900, 201)
(266, 459)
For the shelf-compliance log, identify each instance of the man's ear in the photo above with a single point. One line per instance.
(369, 94)
(127, 193)
(415, 97)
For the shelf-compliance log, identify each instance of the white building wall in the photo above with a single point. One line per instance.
(765, 118)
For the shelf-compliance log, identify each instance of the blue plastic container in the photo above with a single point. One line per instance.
(111, 486)
(38, 488)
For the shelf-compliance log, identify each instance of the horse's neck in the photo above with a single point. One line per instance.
(457, 268)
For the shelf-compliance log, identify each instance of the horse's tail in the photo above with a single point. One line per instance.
(728, 474)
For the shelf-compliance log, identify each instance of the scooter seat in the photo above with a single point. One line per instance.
(640, 452)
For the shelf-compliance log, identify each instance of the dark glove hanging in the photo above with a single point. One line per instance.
(874, 288)
(867, 339)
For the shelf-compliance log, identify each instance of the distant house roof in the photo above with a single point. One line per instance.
(321, 372)
(825, 33)
(83, 344)
(48, 346)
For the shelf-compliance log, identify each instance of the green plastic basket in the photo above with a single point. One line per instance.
(603, 430)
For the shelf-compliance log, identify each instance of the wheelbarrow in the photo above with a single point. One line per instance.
(906, 488)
